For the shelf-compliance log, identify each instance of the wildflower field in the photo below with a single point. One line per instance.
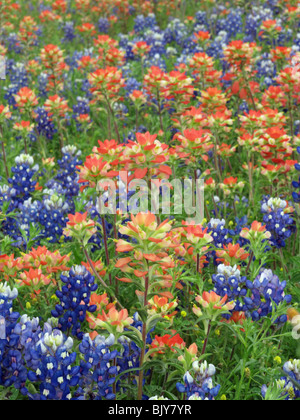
(149, 200)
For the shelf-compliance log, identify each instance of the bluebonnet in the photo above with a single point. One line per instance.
(10, 91)
(22, 185)
(18, 78)
(82, 107)
(22, 180)
(220, 25)
(102, 362)
(235, 232)
(17, 73)
(254, 21)
(12, 42)
(27, 332)
(199, 384)
(29, 212)
(131, 85)
(267, 292)
(296, 184)
(121, 111)
(9, 224)
(55, 371)
(266, 69)
(7, 195)
(97, 369)
(103, 25)
(234, 23)
(220, 235)
(201, 20)
(69, 31)
(67, 176)
(44, 125)
(175, 31)
(43, 80)
(11, 366)
(183, 58)
(157, 42)
(288, 385)
(53, 215)
(228, 281)
(18, 357)
(278, 220)
(141, 23)
(86, 88)
(244, 108)
(129, 357)
(189, 47)
(297, 129)
(150, 21)
(215, 48)
(284, 37)
(124, 42)
(296, 43)
(74, 296)
(273, 4)
(131, 352)
(218, 231)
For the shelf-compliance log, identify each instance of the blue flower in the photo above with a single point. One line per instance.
(296, 184)
(199, 383)
(278, 221)
(266, 292)
(55, 372)
(288, 385)
(74, 300)
(98, 369)
(22, 181)
(228, 281)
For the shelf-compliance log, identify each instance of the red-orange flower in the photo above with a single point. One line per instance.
(116, 320)
(231, 254)
(34, 278)
(161, 305)
(167, 343)
(26, 99)
(79, 227)
(94, 170)
(49, 262)
(56, 105)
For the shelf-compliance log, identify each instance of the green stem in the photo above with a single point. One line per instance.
(100, 278)
(250, 261)
(206, 339)
(106, 246)
(112, 113)
(144, 338)
(3, 152)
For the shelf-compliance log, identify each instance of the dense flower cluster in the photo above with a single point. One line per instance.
(267, 290)
(277, 216)
(54, 370)
(149, 199)
(228, 281)
(74, 300)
